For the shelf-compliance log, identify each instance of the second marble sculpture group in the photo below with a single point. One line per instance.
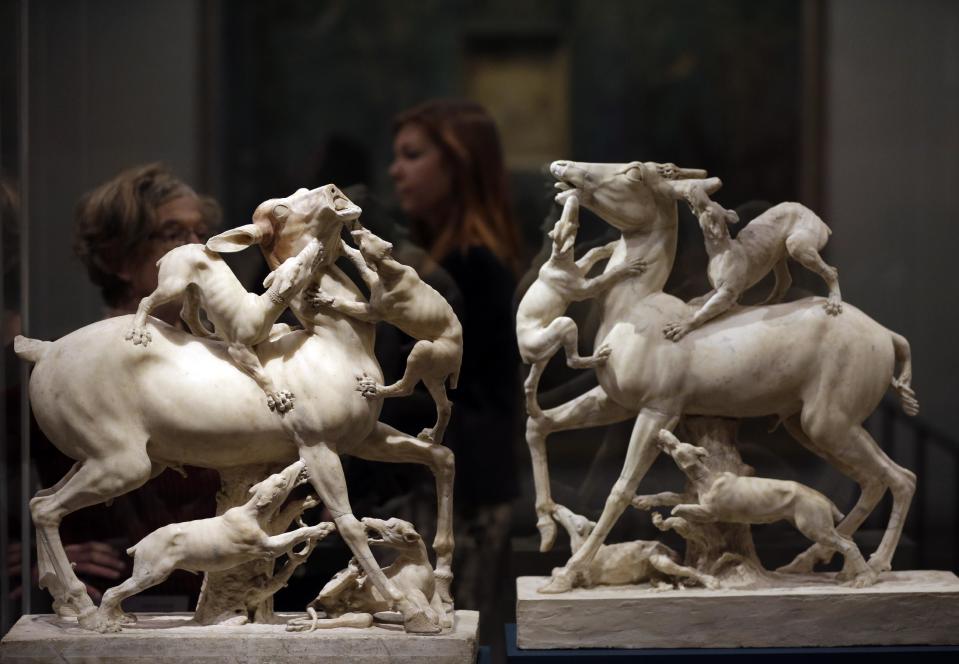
(819, 366)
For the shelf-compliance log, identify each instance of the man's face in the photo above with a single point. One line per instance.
(178, 221)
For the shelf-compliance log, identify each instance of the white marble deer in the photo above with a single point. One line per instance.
(178, 402)
(822, 375)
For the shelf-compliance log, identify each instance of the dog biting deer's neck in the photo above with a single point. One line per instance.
(389, 270)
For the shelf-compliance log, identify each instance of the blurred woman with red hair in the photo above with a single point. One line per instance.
(451, 183)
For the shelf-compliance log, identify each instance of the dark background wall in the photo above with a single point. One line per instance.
(110, 84)
(715, 85)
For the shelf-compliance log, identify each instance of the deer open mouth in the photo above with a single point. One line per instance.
(346, 209)
(565, 191)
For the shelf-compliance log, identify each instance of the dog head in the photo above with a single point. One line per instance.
(273, 491)
(374, 248)
(564, 232)
(577, 526)
(688, 457)
(714, 220)
(394, 533)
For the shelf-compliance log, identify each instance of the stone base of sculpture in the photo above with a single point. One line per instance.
(903, 608)
(168, 638)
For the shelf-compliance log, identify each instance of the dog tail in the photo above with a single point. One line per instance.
(776, 424)
(31, 350)
(531, 386)
(902, 383)
(133, 549)
(783, 281)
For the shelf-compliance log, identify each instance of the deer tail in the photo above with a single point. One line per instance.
(902, 383)
(31, 350)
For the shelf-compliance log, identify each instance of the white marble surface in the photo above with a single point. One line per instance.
(904, 608)
(169, 638)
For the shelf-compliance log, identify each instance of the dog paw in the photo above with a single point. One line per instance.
(366, 386)
(602, 354)
(675, 331)
(645, 504)
(426, 435)
(321, 530)
(833, 306)
(637, 266)
(281, 401)
(139, 336)
(317, 298)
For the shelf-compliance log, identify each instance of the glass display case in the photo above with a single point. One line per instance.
(848, 107)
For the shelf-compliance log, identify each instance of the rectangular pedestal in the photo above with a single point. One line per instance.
(169, 638)
(904, 608)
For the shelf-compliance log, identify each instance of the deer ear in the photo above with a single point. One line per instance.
(635, 174)
(701, 452)
(235, 239)
(280, 212)
(680, 187)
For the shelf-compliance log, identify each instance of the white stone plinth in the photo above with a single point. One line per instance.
(904, 608)
(168, 638)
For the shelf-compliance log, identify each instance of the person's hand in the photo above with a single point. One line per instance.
(97, 564)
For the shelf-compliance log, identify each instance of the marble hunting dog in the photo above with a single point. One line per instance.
(629, 562)
(541, 327)
(735, 265)
(731, 498)
(237, 536)
(350, 600)
(241, 319)
(399, 297)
